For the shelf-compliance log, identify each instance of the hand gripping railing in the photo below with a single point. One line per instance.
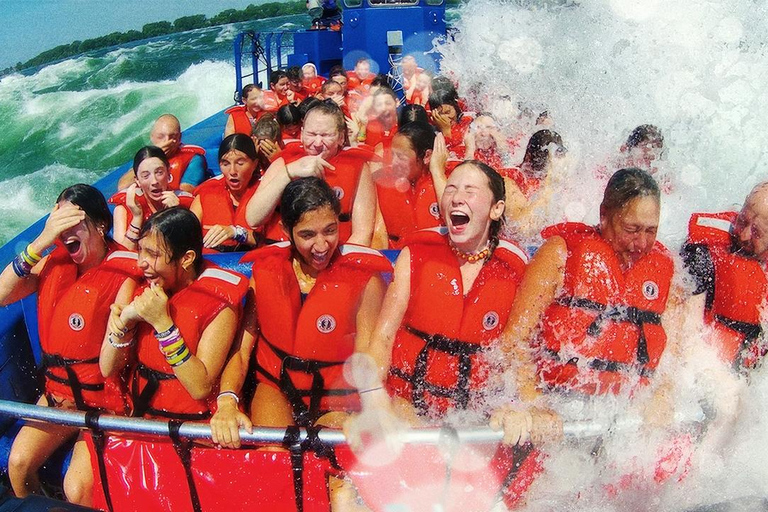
(269, 435)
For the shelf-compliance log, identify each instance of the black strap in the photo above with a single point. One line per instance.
(143, 397)
(183, 449)
(751, 333)
(419, 385)
(635, 316)
(291, 441)
(520, 454)
(302, 415)
(57, 361)
(99, 441)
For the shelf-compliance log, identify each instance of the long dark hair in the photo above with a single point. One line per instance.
(180, 231)
(91, 201)
(239, 142)
(540, 150)
(149, 152)
(305, 195)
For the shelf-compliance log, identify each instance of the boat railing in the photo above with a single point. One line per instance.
(574, 429)
(266, 51)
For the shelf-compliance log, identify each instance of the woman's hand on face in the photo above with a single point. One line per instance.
(269, 149)
(152, 307)
(217, 235)
(227, 422)
(61, 219)
(442, 122)
(170, 199)
(130, 201)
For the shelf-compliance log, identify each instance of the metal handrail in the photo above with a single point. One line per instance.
(270, 435)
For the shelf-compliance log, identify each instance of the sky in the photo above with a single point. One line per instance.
(33, 26)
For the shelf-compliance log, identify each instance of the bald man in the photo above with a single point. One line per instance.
(188, 167)
(726, 255)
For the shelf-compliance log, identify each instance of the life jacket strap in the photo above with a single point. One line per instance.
(72, 380)
(183, 449)
(99, 441)
(463, 350)
(302, 415)
(143, 397)
(751, 333)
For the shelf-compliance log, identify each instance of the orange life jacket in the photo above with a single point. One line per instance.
(313, 85)
(179, 162)
(740, 289)
(348, 163)
(528, 184)
(242, 121)
(156, 390)
(303, 343)
(73, 313)
(410, 211)
(273, 102)
(437, 358)
(604, 329)
(376, 134)
(118, 199)
(217, 207)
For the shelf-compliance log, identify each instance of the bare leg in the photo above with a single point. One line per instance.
(78, 482)
(33, 445)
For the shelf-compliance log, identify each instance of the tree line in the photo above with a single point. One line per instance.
(162, 28)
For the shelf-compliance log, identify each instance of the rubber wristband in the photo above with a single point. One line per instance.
(166, 333)
(31, 252)
(114, 343)
(229, 393)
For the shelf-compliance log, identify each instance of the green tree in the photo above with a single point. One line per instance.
(190, 23)
(158, 28)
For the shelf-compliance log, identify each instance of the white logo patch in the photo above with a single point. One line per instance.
(434, 210)
(76, 322)
(490, 320)
(339, 192)
(650, 290)
(326, 324)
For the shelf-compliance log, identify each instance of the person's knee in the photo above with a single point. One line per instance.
(78, 488)
(19, 463)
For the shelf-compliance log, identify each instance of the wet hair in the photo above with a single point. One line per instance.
(328, 84)
(91, 201)
(412, 114)
(626, 185)
(276, 76)
(149, 152)
(247, 90)
(329, 108)
(239, 142)
(444, 85)
(499, 192)
(538, 152)
(288, 115)
(267, 127)
(305, 195)
(294, 73)
(179, 230)
(645, 133)
(362, 60)
(306, 104)
(337, 70)
(385, 90)
(440, 97)
(420, 135)
(380, 81)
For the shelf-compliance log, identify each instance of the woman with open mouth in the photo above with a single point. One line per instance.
(179, 325)
(315, 304)
(220, 202)
(451, 296)
(149, 193)
(76, 282)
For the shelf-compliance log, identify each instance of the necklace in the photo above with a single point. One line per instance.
(472, 256)
(306, 282)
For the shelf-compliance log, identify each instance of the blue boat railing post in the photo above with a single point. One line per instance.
(256, 51)
(279, 49)
(268, 50)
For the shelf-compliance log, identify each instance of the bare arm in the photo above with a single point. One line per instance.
(113, 359)
(230, 128)
(364, 209)
(201, 372)
(126, 179)
(367, 314)
(196, 207)
(13, 287)
(543, 277)
(437, 163)
(119, 227)
(515, 201)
